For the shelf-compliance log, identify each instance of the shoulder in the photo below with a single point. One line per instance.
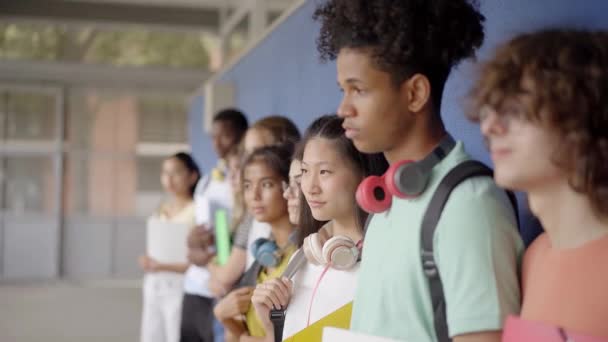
(478, 202)
(538, 247)
(477, 219)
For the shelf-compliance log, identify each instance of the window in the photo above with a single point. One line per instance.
(137, 47)
(115, 144)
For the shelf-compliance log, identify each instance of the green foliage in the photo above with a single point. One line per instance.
(128, 47)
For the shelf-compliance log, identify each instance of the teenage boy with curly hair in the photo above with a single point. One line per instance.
(393, 60)
(542, 106)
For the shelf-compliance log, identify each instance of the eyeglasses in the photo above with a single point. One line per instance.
(509, 113)
(292, 188)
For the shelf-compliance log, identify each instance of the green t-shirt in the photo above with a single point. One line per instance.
(478, 253)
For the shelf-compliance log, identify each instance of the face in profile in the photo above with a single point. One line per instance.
(372, 106)
(291, 191)
(521, 149)
(223, 137)
(175, 178)
(234, 170)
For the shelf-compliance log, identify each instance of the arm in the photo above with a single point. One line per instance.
(490, 336)
(199, 256)
(272, 293)
(199, 240)
(228, 274)
(247, 338)
(151, 265)
(478, 251)
(234, 304)
(177, 268)
(225, 276)
(236, 328)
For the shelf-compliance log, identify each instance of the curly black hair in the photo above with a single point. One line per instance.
(405, 37)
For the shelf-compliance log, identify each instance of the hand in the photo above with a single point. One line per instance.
(149, 264)
(142, 261)
(274, 293)
(200, 237)
(248, 338)
(200, 256)
(234, 304)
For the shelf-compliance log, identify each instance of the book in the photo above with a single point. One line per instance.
(166, 242)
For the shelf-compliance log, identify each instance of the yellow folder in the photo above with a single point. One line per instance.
(338, 319)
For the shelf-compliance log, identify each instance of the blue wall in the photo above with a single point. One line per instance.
(202, 150)
(283, 75)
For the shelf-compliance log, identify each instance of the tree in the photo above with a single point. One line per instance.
(127, 47)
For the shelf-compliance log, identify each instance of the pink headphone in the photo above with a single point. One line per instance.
(339, 252)
(405, 179)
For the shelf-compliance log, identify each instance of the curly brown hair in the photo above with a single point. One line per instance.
(405, 37)
(569, 73)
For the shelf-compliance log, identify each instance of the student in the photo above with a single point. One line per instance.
(331, 171)
(264, 171)
(393, 59)
(212, 193)
(541, 103)
(240, 223)
(268, 131)
(291, 189)
(163, 283)
(291, 192)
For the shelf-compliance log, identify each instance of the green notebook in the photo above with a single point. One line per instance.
(222, 237)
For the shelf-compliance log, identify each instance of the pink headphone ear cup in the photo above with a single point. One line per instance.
(312, 249)
(389, 179)
(341, 252)
(372, 195)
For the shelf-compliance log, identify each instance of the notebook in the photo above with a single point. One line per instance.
(166, 241)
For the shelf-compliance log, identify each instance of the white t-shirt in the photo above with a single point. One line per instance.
(257, 230)
(209, 196)
(336, 289)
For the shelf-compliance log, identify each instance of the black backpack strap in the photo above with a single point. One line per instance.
(277, 317)
(460, 173)
(250, 277)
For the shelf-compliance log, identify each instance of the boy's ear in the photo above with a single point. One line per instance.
(417, 90)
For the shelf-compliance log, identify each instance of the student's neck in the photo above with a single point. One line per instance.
(566, 215)
(347, 226)
(181, 201)
(419, 141)
(281, 230)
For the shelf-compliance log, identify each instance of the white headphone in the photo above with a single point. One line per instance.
(339, 252)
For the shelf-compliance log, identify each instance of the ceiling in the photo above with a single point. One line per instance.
(207, 15)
